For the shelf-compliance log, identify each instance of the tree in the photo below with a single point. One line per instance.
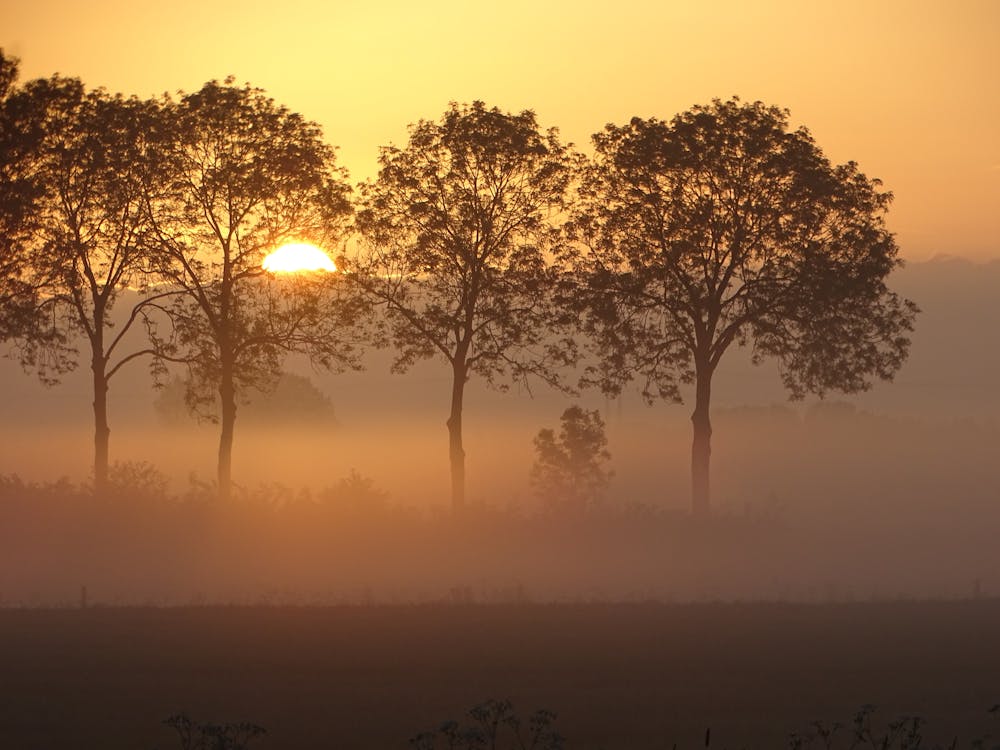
(245, 176)
(18, 193)
(723, 227)
(456, 228)
(295, 401)
(91, 227)
(569, 469)
(22, 114)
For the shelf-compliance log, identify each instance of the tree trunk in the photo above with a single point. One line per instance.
(455, 450)
(227, 393)
(701, 445)
(102, 432)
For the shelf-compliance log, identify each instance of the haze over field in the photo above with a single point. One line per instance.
(374, 413)
(861, 477)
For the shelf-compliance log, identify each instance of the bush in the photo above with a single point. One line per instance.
(569, 472)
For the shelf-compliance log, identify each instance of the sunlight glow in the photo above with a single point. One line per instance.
(296, 257)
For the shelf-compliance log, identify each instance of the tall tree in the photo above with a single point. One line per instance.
(455, 229)
(91, 227)
(245, 176)
(723, 227)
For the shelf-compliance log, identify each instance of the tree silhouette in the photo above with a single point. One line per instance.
(22, 114)
(723, 227)
(245, 176)
(294, 400)
(456, 228)
(91, 227)
(569, 469)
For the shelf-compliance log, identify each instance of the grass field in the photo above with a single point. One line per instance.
(619, 676)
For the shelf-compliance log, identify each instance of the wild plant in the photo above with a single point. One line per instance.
(494, 726)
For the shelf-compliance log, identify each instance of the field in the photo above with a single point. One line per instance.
(619, 676)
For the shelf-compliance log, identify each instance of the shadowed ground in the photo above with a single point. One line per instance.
(620, 676)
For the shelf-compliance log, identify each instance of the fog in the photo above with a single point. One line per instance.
(890, 494)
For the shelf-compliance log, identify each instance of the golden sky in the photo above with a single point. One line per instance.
(909, 89)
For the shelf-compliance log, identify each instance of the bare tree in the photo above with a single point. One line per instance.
(721, 228)
(456, 230)
(245, 176)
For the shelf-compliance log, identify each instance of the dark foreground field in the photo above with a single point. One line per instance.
(619, 676)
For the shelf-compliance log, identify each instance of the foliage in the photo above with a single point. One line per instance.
(91, 226)
(723, 227)
(92, 223)
(903, 733)
(294, 399)
(569, 469)
(245, 176)
(456, 225)
(137, 480)
(354, 492)
(22, 114)
(208, 736)
(495, 725)
(457, 229)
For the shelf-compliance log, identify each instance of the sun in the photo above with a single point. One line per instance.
(298, 256)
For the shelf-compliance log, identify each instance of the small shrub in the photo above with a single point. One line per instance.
(569, 472)
(136, 480)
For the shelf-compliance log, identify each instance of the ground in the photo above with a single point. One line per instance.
(619, 676)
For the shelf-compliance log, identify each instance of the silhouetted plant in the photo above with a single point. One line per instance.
(456, 228)
(987, 742)
(294, 400)
(569, 468)
(246, 175)
(354, 491)
(137, 480)
(21, 191)
(198, 736)
(95, 162)
(904, 733)
(495, 726)
(723, 228)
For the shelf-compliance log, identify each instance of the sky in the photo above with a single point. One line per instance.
(907, 89)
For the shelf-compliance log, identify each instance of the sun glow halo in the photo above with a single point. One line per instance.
(296, 257)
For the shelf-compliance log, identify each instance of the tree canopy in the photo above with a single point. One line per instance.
(92, 228)
(456, 229)
(245, 176)
(486, 241)
(23, 113)
(724, 227)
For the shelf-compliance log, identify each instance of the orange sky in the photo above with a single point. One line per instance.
(908, 89)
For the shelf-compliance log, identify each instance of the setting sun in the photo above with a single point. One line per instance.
(297, 257)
